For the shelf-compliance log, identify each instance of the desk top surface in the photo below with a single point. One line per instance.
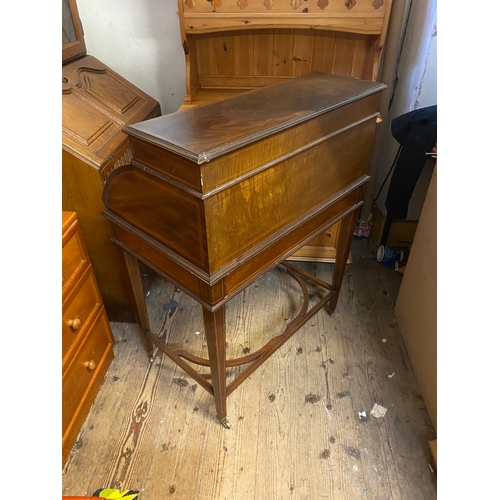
(208, 131)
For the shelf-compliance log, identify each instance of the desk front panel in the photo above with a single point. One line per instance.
(245, 215)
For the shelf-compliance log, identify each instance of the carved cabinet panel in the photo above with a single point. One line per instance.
(97, 104)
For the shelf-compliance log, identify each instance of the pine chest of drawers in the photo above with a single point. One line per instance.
(87, 341)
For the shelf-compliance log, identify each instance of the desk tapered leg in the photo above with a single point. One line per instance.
(215, 333)
(135, 286)
(347, 225)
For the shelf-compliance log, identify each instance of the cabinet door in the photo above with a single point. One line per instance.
(85, 126)
(97, 104)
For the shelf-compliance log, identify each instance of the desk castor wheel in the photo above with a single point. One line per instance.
(225, 423)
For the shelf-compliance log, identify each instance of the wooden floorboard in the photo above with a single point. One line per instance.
(296, 427)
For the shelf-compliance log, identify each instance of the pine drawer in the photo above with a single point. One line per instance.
(82, 303)
(84, 375)
(74, 256)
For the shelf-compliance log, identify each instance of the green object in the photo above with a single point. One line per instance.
(116, 494)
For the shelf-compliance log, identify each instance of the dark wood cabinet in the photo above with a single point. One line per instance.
(97, 103)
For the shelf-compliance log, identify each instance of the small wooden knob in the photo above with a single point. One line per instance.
(75, 323)
(379, 118)
(90, 365)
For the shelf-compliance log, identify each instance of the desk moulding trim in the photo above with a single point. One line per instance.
(212, 278)
(258, 170)
(227, 296)
(207, 156)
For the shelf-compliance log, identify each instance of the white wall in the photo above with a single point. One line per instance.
(140, 40)
(419, 40)
(428, 89)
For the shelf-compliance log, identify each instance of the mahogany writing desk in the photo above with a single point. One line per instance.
(217, 195)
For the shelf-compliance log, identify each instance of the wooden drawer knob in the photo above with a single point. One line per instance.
(90, 365)
(74, 323)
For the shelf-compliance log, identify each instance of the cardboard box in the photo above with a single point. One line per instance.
(401, 234)
(416, 305)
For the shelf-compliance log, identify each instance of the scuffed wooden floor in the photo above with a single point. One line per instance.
(296, 429)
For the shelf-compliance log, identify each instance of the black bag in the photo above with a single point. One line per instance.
(416, 132)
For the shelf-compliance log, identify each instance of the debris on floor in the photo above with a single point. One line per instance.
(312, 398)
(171, 305)
(378, 411)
